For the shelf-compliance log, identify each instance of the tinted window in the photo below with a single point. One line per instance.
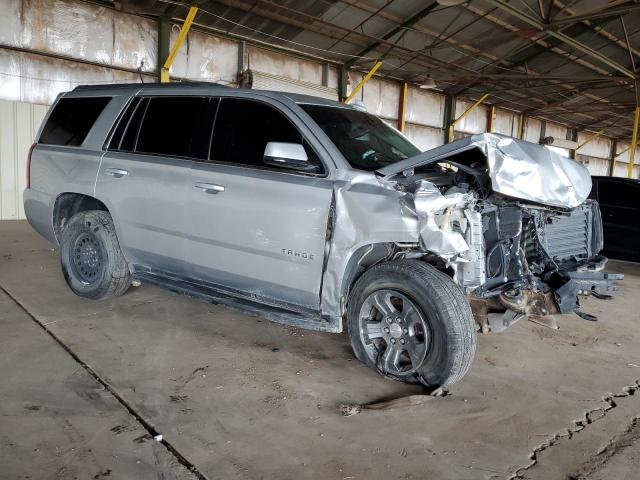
(71, 120)
(244, 127)
(132, 126)
(168, 125)
(121, 126)
(365, 141)
(201, 141)
(618, 193)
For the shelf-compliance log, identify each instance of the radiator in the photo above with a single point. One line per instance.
(567, 237)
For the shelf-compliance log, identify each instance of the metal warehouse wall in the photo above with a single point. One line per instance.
(19, 123)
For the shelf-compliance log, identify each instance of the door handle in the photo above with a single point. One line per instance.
(116, 172)
(210, 187)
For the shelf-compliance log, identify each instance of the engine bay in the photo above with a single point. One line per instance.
(512, 256)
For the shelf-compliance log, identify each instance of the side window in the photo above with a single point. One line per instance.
(244, 127)
(71, 120)
(168, 125)
(124, 121)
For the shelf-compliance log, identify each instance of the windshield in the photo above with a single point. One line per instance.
(365, 141)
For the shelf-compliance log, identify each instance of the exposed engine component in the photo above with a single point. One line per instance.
(526, 258)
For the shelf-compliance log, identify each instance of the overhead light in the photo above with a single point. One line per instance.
(428, 83)
(450, 3)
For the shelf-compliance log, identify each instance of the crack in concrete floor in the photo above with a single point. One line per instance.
(152, 432)
(615, 446)
(579, 425)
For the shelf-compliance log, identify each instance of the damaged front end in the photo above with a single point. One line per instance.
(510, 221)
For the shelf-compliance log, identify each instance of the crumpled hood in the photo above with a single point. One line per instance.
(519, 169)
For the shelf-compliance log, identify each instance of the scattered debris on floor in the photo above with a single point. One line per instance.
(348, 410)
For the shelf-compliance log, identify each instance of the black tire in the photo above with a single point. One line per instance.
(444, 309)
(91, 259)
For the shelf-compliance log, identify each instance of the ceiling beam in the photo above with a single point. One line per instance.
(394, 31)
(561, 36)
(612, 12)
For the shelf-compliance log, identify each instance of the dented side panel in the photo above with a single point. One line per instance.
(365, 213)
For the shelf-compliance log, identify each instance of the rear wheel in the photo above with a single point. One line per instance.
(92, 262)
(411, 322)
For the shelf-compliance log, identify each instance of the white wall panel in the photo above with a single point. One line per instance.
(333, 78)
(425, 138)
(33, 78)
(424, 108)
(80, 30)
(596, 166)
(205, 57)
(285, 65)
(622, 161)
(354, 79)
(11, 31)
(532, 130)
(135, 42)
(381, 97)
(596, 147)
(621, 170)
(10, 80)
(267, 81)
(556, 131)
(475, 121)
(505, 122)
(19, 123)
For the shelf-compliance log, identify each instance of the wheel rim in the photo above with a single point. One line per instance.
(86, 258)
(394, 332)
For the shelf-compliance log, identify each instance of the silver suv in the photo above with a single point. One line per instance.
(308, 212)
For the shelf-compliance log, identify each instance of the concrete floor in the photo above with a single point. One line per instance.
(87, 385)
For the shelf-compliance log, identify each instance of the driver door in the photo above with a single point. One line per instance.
(256, 229)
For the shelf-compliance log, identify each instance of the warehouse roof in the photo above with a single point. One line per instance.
(571, 61)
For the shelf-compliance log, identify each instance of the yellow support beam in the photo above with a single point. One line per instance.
(362, 82)
(622, 151)
(634, 142)
(402, 105)
(491, 118)
(521, 121)
(184, 30)
(465, 113)
(590, 139)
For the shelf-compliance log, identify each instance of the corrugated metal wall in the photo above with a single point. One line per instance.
(19, 123)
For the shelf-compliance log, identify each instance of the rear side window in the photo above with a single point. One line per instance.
(168, 126)
(71, 120)
(164, 126)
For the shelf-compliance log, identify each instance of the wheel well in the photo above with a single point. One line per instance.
(68, 204)
(370, 255)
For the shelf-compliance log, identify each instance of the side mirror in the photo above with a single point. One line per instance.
(287, 155)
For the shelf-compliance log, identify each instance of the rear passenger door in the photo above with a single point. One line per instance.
(258, 229)
(142, 178)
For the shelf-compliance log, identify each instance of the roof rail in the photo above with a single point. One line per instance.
(84, 88)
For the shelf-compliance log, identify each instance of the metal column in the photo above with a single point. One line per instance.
(634, 141)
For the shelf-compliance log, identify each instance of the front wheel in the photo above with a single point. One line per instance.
(411, 322)
(92, 262)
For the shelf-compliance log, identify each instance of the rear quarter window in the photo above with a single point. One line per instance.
(71, 120)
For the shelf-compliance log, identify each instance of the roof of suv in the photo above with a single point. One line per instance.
(150, 87)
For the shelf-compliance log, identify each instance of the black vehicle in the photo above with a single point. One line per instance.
(619, 200)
